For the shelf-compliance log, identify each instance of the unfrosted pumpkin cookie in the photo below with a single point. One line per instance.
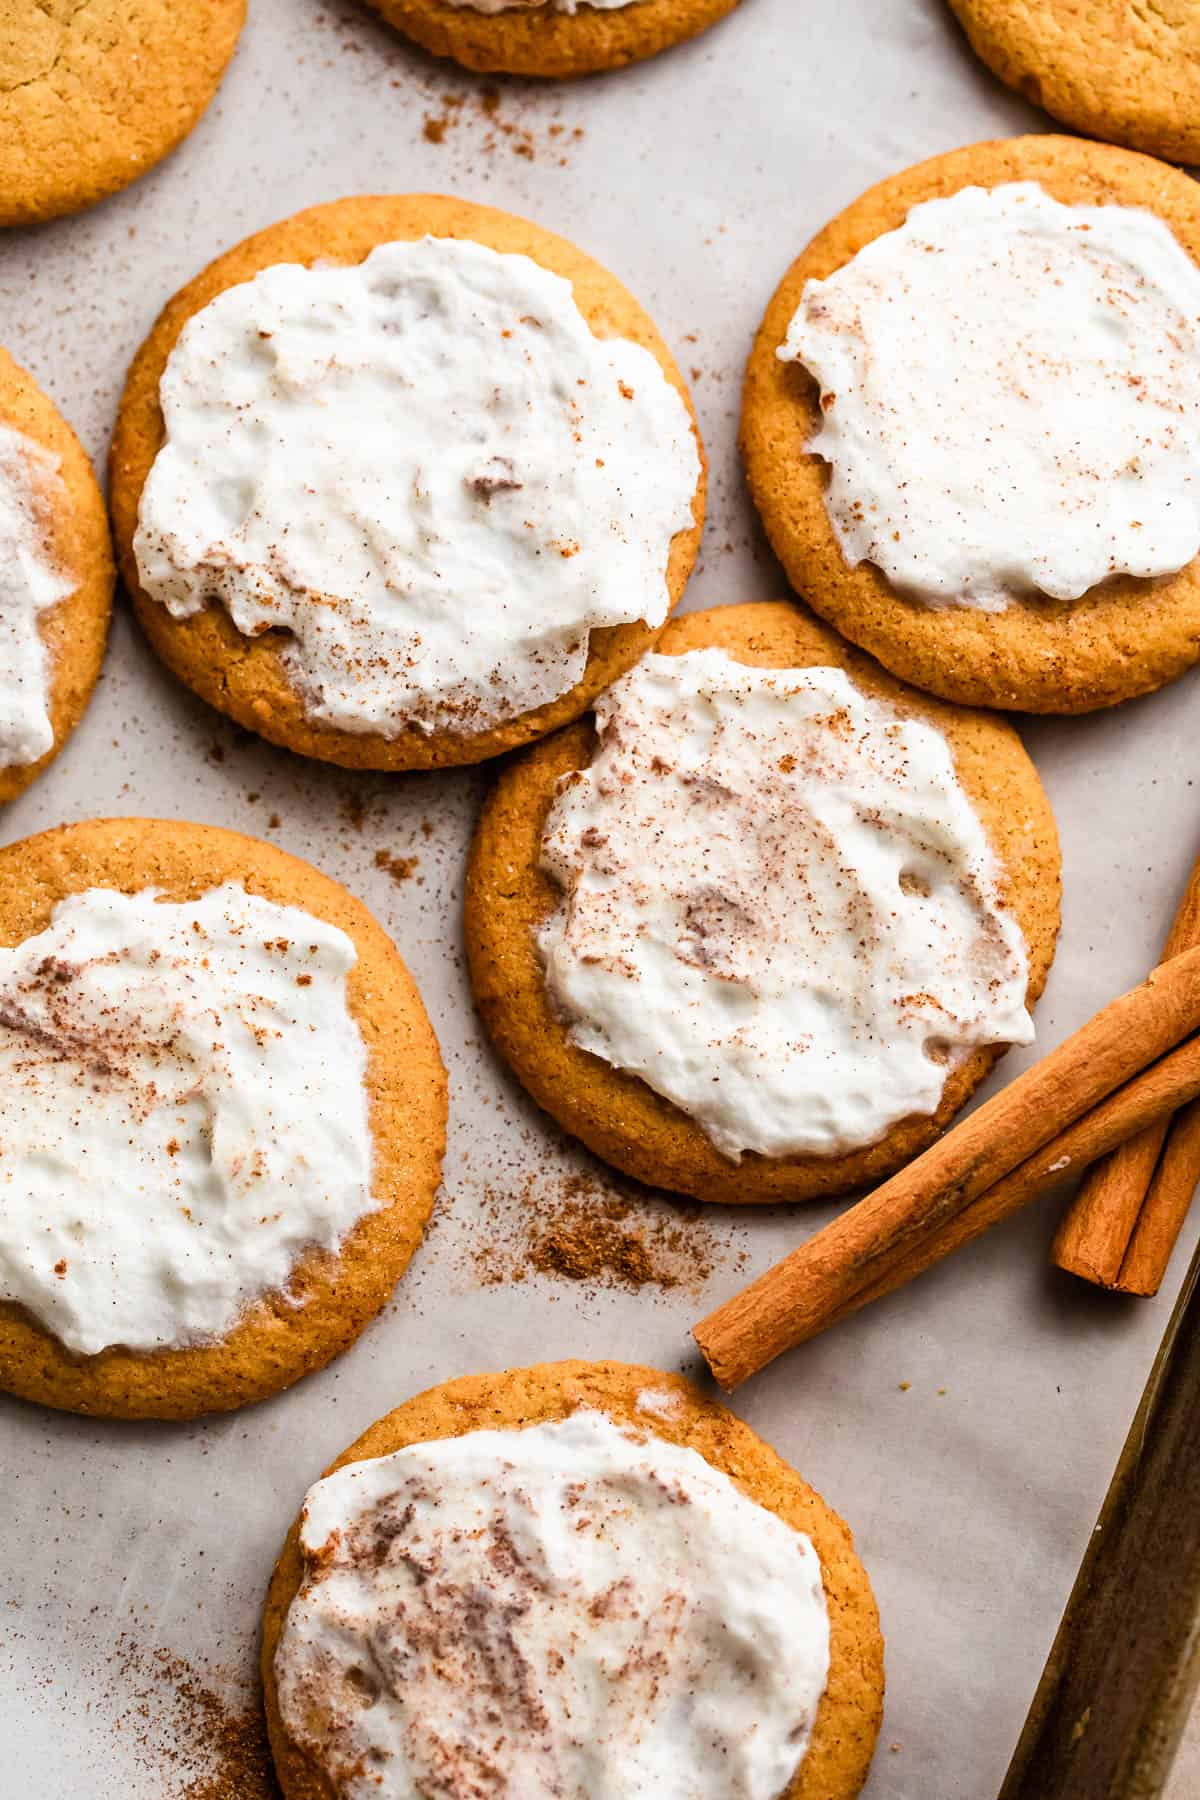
(222, 1114)
(1128, 74)
(551, 37)
(93, 95)
(404, 482)
(539, 1582)
(56, 580)
(760, 934)
(972, 424)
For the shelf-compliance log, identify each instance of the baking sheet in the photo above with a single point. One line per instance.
(967, 1427)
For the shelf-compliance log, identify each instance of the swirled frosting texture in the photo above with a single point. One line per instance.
(1010, 395)
(427, 471)
(30, 583)
(183, 1112)
(558, 1613)
(779, 907)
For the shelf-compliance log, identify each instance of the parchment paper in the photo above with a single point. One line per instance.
(966, 1428)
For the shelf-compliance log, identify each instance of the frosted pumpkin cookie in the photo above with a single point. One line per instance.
(482, 497)
(972, 424)
(56, 580)
(222, 1114)
(760, 933)
(1128, 74)
(94, 94)
(551, 37)
(580, 1579)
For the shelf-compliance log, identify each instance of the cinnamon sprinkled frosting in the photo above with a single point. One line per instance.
(183, 1112)
(426, 472)
(560, 1613)
(779, 907)
(30, 584)
(1010, 397)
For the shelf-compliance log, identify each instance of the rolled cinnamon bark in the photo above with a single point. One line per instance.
(1166, 1207)
(1147, 1100)
(806, 1291)
(1097, 1230)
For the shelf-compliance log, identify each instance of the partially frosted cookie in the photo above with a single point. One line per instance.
(760, 934)
(551, 37)
(972, 424)
(404, 482)
(56, 580)
(222, 1114)
(95, 92)
(1128, 74)
(579, 1579)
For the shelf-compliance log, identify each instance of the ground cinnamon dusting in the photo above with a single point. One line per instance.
(571, 1228)
(498, 129)
(199, 1746)
(400, 868)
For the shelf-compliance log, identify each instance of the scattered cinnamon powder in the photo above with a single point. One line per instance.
(513, 130)
(198, 1746)
(400, 868)
(572, 1228)
(353, 809)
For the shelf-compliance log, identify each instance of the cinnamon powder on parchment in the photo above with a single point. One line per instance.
(609, 1235)
(200, 1746)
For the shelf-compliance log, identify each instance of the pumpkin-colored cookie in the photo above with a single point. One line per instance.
(663, 1406)
(93, 95)
(74, 530)
(616, 1114)
(540, 37)
(1127, 74)
(244, 675)
(330, 1296)
(1122, 638)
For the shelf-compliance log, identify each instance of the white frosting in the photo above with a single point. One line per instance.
(560, 1613)
(779, 907)
(427, 470)
(1011, 397)
(182, 1112)
(30, 583)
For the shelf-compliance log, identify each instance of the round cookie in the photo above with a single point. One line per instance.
(93, 95)
(533, 39)
(1123, 638)
(331, 1298)
(848, 1717)
(1127, 74)
(76, 527)
(616, 1114)
(244, 676)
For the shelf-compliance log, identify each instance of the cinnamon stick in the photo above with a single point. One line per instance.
(809, 1288)
(1098, 1227)
(1167, 1203)
(1148, 1099)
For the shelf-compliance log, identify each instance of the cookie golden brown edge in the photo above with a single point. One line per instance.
(616, 1114)
(77, 539)
(1124, 638)
(331, 1297)
(848, 1717)
(1127, 74)
(93, 95)
(544, 41)
(244, 677)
